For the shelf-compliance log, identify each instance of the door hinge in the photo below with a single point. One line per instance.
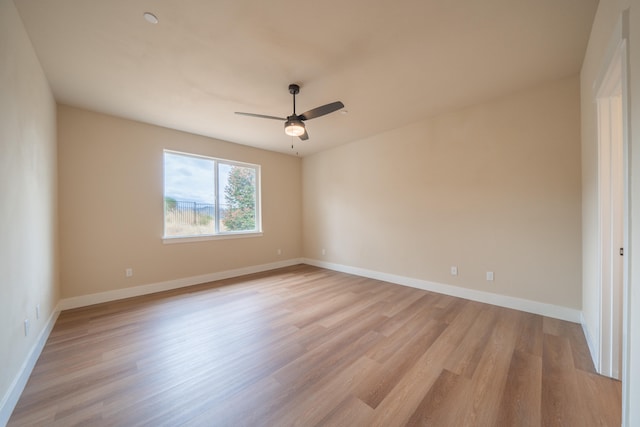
(621, 251)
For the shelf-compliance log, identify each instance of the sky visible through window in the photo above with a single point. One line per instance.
(189, 178)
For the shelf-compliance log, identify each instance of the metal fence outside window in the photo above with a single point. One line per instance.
(189, 213)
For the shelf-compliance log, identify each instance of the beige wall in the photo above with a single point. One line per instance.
(596, 59)
(494, 187)
(28, 246)
(111, 206)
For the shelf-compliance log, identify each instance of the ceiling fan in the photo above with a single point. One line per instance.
(294, 124)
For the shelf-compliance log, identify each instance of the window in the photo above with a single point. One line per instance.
(205, 197)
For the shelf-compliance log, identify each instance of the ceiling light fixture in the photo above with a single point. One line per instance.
(150, 18)
(294, 127)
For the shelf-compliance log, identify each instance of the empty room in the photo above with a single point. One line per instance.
(245, 213)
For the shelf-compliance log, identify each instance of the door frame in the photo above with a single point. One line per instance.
(611, 97)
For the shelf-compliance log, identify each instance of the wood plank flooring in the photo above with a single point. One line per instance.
(303, 346)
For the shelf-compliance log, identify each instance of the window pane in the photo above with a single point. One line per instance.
(189, 194)
(237, 192)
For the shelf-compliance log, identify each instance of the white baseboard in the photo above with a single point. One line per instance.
(85, 300)
(10, 399)
(595, 355)
(544, 309)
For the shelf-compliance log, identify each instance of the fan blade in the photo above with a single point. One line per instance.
(304, 136)
(321, 111)
(262, 116)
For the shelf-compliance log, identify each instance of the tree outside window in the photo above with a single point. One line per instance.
(240, 197)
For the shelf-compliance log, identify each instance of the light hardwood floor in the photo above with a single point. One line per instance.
(306, 346)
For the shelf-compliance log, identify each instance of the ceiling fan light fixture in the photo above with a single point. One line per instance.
(294, 123)
(294, 127)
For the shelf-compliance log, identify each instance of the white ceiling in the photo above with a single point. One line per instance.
(389, 62)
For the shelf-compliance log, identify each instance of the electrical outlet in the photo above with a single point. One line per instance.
(324, 251)
(128, 272)
(37, 311)
(26, 327)
(279, 251)
(454, 270)
(490, 276)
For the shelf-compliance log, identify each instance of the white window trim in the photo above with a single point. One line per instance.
(169, 240)
(218, 235)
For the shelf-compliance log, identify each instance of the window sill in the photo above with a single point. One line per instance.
(188, 239)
